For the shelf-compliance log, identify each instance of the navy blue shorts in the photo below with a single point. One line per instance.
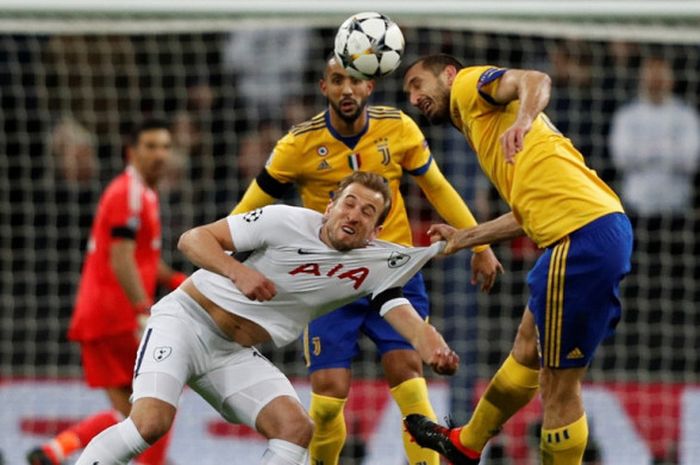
(575, 290)
(331, 341)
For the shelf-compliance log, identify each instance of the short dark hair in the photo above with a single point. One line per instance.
(329, 56)
(372, 181)
(436, 63)
(146, 125)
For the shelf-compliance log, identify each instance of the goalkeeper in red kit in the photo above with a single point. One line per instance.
(117, 287)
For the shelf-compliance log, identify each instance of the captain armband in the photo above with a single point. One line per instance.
(389, 299)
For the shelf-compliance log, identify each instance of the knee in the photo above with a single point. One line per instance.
(525, 348)
(285, 418)
(559, 388)
(333, 383)
(527, 356)
(525, 352)
(152, 428)
(152, 418)
(401, 365)
(325, 409)
(298, 430)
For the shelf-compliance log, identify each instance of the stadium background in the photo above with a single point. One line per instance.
(75, 78)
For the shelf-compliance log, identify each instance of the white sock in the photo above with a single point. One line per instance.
(114, 446)
(280, 452)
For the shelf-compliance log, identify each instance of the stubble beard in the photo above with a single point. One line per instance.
(443, 114)
(349, 119)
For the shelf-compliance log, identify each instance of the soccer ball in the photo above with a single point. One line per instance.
(369, 45)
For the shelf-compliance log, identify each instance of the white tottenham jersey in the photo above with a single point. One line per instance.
(311, 279)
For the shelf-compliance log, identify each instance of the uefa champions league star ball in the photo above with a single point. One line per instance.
(369, 45)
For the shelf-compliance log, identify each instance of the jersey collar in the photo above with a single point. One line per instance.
(350, 141)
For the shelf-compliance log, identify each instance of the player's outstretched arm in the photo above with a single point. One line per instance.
(208, 246)
(452, 208)
(427, 341)
(503, 228)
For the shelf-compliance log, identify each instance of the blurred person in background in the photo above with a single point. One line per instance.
(655, 145)
(76, 176)
(315, 155)
(574, 84)
(255, 148)
(117, 287)
(189, 188)
(257, 144)
(268, 66)
(655, 148)
(73, 147)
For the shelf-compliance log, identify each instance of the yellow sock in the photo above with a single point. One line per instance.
(565, 445)
(412, 397)
(511, 388)
(329, 435)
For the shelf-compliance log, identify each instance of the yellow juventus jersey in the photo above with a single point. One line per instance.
(315, 157)
(550, 189)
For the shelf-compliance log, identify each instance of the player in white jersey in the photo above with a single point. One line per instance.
(298, 264)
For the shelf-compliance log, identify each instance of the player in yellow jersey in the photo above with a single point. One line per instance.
(569, 212)
(315, 155)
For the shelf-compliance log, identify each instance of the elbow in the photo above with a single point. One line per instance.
(183, 244)
(540, 82)
(541, 78)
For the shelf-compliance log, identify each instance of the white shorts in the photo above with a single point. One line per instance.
(182, 345)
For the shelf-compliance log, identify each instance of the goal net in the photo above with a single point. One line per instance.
(232, 80)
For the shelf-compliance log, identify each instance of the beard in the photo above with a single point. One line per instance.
(349, 118)
(442, 113)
